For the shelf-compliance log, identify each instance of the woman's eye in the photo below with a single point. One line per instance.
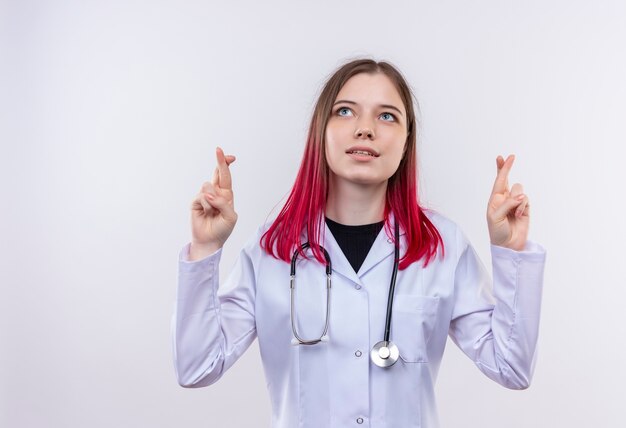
(391, 116)
(342, 109)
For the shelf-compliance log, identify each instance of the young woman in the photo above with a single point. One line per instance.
(356, 338)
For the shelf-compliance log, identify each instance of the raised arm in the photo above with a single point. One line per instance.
(496, 323)
(211, 331)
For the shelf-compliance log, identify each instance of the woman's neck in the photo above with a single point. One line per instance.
(355, 204)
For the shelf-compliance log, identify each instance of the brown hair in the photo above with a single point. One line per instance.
(283, 236)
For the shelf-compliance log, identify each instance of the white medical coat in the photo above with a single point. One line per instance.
(335, 384)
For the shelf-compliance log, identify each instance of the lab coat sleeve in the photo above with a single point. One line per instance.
(210, 331)
(496, 324)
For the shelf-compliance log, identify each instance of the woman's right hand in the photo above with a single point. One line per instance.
(213, 215)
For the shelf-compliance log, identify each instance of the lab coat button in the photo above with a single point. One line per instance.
(357, 286)
(390, 240)
(358, 353)
(359, 420)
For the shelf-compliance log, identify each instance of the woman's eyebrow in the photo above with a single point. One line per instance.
(380, 105)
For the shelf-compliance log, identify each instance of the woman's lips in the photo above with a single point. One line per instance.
(366, 149)
(361, 157)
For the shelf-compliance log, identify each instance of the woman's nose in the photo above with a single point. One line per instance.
(364, 131)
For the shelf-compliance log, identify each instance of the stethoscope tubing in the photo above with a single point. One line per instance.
(392, 286)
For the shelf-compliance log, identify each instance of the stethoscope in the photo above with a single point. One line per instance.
(385, 353)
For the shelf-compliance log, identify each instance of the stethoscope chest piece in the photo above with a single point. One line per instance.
(384, 354)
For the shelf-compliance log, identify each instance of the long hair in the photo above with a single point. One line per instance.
(306, 204)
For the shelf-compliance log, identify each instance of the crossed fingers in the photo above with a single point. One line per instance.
(221, 175)
(220, 186)
(501, 185)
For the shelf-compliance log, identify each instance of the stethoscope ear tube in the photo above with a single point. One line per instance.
(297, 340)
(294, 259)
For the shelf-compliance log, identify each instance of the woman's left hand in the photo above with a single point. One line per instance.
(508, 212)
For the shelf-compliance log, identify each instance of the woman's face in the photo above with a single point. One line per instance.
(368, 116)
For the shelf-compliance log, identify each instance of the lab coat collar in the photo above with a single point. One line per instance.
(381, 249)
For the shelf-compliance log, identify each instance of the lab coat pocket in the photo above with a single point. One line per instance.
(414, 319)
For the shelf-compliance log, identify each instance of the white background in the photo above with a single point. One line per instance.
(110, 114)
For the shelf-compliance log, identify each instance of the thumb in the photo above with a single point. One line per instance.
(507, 206)
(222, 204)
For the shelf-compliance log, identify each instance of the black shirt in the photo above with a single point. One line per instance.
(355, 241)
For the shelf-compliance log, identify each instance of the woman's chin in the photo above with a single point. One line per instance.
(363, 180)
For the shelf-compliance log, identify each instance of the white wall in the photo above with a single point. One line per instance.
(110, 114)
